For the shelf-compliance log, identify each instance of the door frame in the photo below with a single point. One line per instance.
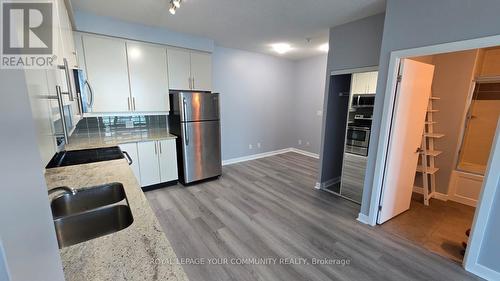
(389, 105)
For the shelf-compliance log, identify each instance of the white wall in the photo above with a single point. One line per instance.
(256, 101)
(96, 24)
(309, 93)
(26, 227)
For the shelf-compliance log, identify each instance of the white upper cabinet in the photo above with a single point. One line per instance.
(65, 42)
(107, 72)
(372, 85)
(179, 66)
(201, 71)
(364, 83)
(148, 77)
(189, 70)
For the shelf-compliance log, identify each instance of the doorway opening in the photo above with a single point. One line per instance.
(445, 118)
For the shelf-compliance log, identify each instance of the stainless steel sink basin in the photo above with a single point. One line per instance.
(81, 227)
(87, 199)
(90, 213)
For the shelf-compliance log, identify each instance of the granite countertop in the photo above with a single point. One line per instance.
(95, 139)
(138, 252)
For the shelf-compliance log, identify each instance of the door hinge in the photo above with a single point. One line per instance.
(400, 77)
(380, 208)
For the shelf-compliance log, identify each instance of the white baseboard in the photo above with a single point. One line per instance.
(306, 153)
(325, 184)
(267, 154)
(362, 218)
(484, 272)
(255, 156)
(437, 195)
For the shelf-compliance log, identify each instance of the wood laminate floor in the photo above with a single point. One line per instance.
(439, 227)
(267, 208)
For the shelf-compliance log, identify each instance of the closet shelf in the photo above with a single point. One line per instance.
(433, 135)
(435, 98)
(430, 122)
(432, 152)
(432, 110)
(428, 170)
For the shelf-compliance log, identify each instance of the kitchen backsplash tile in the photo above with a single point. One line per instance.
(113, 123)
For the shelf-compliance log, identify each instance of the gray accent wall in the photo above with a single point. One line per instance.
(352, 45)
(411, 24)
(256, 101)
(308, 102)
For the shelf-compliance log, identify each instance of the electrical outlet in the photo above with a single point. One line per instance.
(319, 112)
(258, 144)
(250, 146)
(300, 142)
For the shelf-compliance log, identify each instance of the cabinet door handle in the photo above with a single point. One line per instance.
(133, 102)
(128, 102)
(193, 84)
(159, 142)
(156, 150)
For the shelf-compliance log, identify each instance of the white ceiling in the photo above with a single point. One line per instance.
(243, 24)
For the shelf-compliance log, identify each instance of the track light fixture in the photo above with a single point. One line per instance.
(174, 4)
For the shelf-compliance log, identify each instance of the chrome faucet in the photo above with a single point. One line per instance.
(65, 189)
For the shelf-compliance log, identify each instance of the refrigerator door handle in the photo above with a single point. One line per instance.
(184, 105)
(91, 91)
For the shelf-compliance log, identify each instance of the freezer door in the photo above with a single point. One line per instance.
(201, 150)
(198, 106)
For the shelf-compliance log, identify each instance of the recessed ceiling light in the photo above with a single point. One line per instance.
(324, 47)
(172, 10)
(176, 3)
(135, 53)
(281, 48)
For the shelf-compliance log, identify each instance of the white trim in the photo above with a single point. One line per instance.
(388, 105)
(436, 195)
(484, 272)
(483, 211)
(354, 70)
(267, 154)
(306, 153)
(328, 183)
(255, 156)
(362, 218)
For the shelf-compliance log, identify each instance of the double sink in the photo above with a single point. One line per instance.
(89, 213)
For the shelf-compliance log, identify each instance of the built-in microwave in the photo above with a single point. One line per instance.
(363, 101)
(357, 140)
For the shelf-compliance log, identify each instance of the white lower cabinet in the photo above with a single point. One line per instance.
(168, 160)
(131, 149)
(157, 161)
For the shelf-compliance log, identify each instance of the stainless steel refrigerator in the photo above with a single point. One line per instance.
(194, 119)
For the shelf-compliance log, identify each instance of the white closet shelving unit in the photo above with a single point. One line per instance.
(427, 154)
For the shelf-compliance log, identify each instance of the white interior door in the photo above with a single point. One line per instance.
(148, 76)
(412, 98)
